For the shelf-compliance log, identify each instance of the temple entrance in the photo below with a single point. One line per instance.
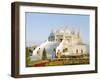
(61, 40)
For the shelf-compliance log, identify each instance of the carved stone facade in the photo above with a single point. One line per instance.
(70, 42)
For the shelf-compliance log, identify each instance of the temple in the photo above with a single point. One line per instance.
(63, 42)
(70, 42)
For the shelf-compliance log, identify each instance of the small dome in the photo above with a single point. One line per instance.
(61, 31)
(52, 34)
(68, 31)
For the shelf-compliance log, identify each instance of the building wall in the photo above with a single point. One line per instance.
(70, 41)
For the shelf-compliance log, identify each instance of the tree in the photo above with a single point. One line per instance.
(44, 55)
(54, 50)
(65, 50)
(27, 56)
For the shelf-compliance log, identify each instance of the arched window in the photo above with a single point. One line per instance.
(61, 40)
(76, 51)
(81, 51)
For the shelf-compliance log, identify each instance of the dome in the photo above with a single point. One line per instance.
(52, 34)
(61, 31)
(51, 37)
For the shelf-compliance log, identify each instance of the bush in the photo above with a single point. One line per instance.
(65, 50)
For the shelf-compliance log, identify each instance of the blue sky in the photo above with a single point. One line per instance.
(39, 25)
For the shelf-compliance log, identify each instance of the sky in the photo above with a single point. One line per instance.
(39, 25)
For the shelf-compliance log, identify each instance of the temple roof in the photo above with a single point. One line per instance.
(66, 30)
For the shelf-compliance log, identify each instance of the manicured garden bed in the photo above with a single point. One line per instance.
(59, 62)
